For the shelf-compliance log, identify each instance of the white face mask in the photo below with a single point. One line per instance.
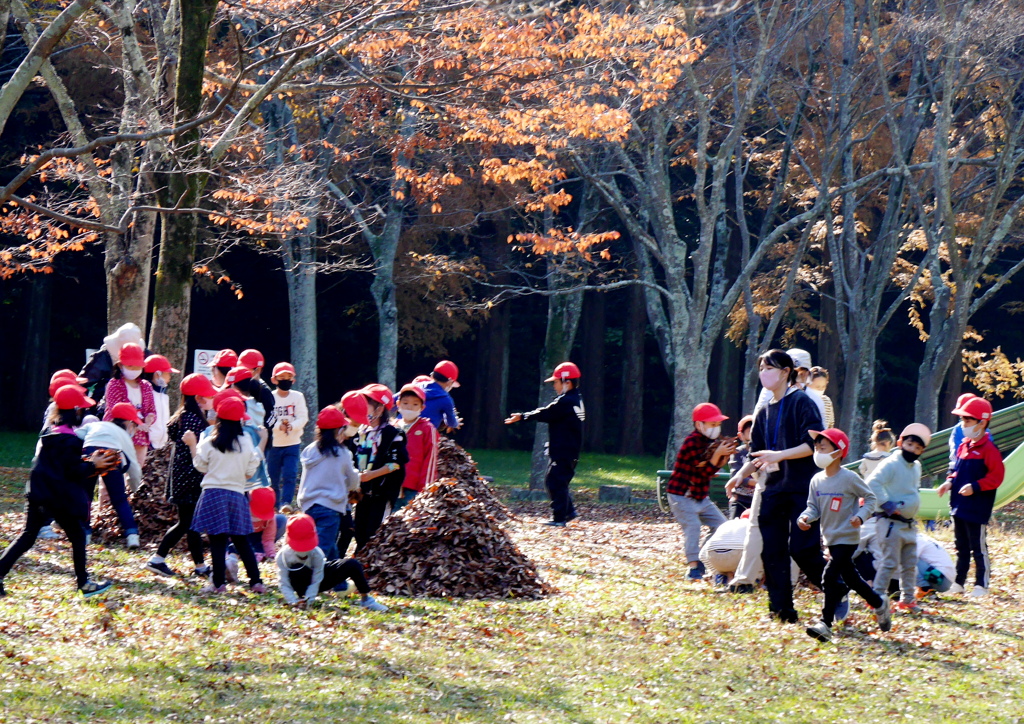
(713, 432)
(130, 374)
(408, 415)
(823, 460)
(971, 431)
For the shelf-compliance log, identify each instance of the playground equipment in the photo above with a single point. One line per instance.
(1007, 428)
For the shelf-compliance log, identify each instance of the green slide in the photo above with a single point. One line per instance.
(933, 507)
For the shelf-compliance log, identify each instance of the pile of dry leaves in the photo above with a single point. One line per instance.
(153, 514)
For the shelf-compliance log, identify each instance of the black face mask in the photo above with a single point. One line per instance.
(285, 384)
(909, 456)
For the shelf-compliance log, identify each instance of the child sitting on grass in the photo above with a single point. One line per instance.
(303, 570)
(834, 494)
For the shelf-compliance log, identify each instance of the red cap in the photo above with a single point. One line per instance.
(835, 436)
(414, 389)
(281, 367)
(231, 408)
(131, 355)
(159, 363)
(356, 407)
(962, 399)
(227, 393)
(331, 418)
(225, 358)
(706, 412)
(300, 535)
(60, 374)
(57, 382)
(449, 369)
(380, 393)
(199, 385)
(237, 374)
(262, 502)
(125, 411)
(977, 407)
(72, 397)
(745, 513)
(251, 358)
(565, 371)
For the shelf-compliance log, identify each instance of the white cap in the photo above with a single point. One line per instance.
(801, 358)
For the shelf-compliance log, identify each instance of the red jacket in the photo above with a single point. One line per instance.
(421, 440)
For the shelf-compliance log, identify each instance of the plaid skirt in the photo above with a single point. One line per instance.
(222, 512)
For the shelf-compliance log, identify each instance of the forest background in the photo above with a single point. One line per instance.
(659, 192)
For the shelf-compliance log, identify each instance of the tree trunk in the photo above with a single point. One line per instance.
(172, 299)
(383, 291)
(593, 362)
(127, 262)
(496, 382)
(690, 388)
(299, 256)
(36, 363)
(954, 388)
(857, 406)
(631, 433)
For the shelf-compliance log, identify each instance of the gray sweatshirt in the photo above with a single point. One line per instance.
(289, 561)
(835, 500)
(897, 480)
(326, 479)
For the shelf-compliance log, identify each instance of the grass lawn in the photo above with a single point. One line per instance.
(17, 448)
(627, 639)
(512, 468)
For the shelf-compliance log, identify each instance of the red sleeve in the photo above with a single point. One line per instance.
(994, 465)
(115, 392)
(269, 534)
(416, 443)
(148, 401)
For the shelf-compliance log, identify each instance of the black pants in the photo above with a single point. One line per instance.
(369, 515)
(783, 540)
(183, 528)
(335, 573)
(971, 542)
(36, 516)
(560, 474)
(740, 504)
(346, 532)
(218, 551)
(840, 576)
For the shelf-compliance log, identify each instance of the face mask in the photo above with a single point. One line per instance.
(769, 377)
(713, 432)
(130, 374)
(909, 456)
(285, 384)
(408, 415)
(971, 431)
(823, 460)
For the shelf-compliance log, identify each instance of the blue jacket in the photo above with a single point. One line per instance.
(979, 465)
(439, 407)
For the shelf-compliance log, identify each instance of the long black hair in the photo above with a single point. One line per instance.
(188, 404)
(225, 437)
(779, 359)
(327, 442)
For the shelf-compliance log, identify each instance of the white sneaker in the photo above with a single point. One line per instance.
(978, 592)
(372, 605)
(955, 589)
(133, 540)
(47, 533)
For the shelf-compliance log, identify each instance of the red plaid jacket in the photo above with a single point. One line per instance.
(692, 473)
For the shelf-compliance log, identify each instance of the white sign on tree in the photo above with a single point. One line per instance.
(203, 360)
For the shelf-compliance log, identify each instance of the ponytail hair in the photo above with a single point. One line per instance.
(225, 437)
(881, 434)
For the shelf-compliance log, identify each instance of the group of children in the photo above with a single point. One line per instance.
(236, 467)
(789, 478)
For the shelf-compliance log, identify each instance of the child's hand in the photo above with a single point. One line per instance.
(944, 488)
(802, 523)
(511, 419)
(856, 522)
(966, 490)
(104, 460)
(189, 438)
(731, 486)
(766, 458)
(286, 426)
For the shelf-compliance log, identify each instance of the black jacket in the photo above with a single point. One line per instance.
(390, 449)
(60, 477)
(266, 398)
(799, 413)
(564, 416)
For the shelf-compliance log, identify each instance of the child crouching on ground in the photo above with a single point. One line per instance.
(117, 434)
(303, 570)
(895, 483)
(834, 494)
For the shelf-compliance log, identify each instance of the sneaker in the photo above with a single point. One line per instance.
(88, 538)
(133, 540)
(202, 571)
(258, 588)
(372, 605)
(883, 614)
(955, 589)
(231, 569)
(741, 588)
(554, 524)
(697, 572)
(911, 607)
(161, 569)
(91, 588)
(820, 631)
(721, 579)
(209, 589)
(978, 592)
(843, 609)
(47, 533)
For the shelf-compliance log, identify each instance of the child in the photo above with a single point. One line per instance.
(221, 364)
(116, 434)
(691, 478)
(184, 483)
(59, 379)
(125, 386)
(303, 571)
(881, 442)
(976, 474)
(328, 477)
(818, 382)
(158, 372)
(834, 495)
(252, 359)
(421, 442)
(241, 381)
(263, 512)
(228, 459)
(290, 416)
(60, 487)
(895, 484)
(381, 458)
(742, 496)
